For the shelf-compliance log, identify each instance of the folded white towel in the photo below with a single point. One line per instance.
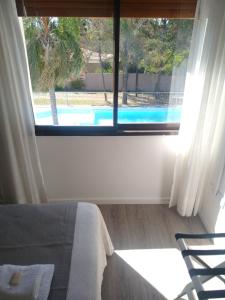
(32, 280)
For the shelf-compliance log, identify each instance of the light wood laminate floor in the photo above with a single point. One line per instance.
(152, 267)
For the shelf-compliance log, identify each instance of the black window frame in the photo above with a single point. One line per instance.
(116, 129)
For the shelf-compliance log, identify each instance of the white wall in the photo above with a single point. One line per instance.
(210, 210)
(120, 169)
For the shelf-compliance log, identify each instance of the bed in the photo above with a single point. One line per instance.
(72, 236)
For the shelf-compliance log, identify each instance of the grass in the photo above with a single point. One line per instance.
(93, 99)
(96, 99)
(60, 101)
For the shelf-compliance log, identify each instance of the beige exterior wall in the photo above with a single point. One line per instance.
(146, 82)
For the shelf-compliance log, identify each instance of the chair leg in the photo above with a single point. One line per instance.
(187, 289)
(204, 264)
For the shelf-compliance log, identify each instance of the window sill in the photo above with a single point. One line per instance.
(121, 130)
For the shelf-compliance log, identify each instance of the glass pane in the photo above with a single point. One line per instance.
(70, 62)
(153, 64)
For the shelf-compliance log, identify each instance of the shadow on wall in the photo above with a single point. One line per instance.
(211, 212)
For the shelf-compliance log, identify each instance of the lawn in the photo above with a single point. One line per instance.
(76, 98)
(97, 99)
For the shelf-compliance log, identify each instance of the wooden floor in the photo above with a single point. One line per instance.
(139, 227)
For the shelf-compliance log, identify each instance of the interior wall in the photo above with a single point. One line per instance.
(103, 169)
(210, 210)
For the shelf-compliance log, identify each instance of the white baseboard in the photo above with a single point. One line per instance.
(112, 200)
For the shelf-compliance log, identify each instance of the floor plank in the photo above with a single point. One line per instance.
(142, 229)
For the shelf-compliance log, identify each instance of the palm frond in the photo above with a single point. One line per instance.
(53, 46)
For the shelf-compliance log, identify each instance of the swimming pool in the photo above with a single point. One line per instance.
(96, 116)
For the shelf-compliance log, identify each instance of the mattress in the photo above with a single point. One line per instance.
(73, 236)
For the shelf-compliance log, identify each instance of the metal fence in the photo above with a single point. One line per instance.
(101, 98)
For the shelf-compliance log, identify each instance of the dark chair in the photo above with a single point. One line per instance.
(201, 275)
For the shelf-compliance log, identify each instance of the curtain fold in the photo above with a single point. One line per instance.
(201, 155)
(21, 178)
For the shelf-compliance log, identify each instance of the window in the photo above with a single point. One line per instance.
(71, 62)
(97, 74)
(153, 64)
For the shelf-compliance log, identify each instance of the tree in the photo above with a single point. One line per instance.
(97, 36)
(167, 45)
(131, 51)
(54, 53)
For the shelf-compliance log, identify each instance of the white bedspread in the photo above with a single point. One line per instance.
(91, 245)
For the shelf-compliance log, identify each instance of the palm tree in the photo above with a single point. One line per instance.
(54, 53)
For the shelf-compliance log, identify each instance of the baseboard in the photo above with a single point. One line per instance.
(112, 200)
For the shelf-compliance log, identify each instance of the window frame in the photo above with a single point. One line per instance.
(125, 129)
(116, 129)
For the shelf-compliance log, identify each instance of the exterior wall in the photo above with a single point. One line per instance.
(146, 82)
(103, 169)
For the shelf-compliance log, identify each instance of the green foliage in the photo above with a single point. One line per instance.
(97, 37)
(60, 48)
(76, 84)
(53, 50)
(155, 45)
(106, 67)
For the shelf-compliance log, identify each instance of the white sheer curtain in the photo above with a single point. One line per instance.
(200, 160)
(21, 179)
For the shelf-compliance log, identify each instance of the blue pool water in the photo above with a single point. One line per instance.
(104, 116)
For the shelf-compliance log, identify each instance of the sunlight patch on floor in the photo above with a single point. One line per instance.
(162, 268)
(165, 269)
